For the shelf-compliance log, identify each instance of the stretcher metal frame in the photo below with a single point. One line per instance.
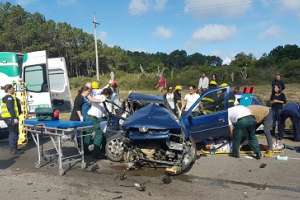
(58, 136)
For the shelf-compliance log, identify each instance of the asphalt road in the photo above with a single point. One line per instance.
(212, 177)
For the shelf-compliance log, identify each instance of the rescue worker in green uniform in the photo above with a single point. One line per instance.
(10, 111)
(242, 125)
(98, 113)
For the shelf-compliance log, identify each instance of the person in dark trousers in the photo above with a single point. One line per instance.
(177, 99)
(279, 82)
(76, 114)
(277, 100)
(242, 126)
(10, 111)
(292, 111)
(263, 115)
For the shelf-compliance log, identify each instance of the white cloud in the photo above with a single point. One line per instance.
(66, 2)
(25, 2)
(291, 5)
(163, 32)
(102, 35)
(137, 7)
(160, 5)
(227, 60)
(214, 33)
(267, 2)
(271, 32)
(215, 8)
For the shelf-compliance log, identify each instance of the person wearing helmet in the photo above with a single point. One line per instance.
(177, 98)
(213, 84)
(224, 85)
(97, 114)
(214, 78)
(210, 100)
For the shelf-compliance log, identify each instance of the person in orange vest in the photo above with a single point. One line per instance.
(10, 111)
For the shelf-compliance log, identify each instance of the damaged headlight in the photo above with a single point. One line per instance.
(143, 129)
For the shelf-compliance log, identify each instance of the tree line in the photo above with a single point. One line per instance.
(21, 31)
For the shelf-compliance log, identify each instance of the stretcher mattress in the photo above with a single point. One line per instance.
(60, 124)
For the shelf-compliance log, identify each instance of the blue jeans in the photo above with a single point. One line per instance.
(13, 130)
(268, 122)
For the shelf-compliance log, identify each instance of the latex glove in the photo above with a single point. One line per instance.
(81, 118)
(16, 121)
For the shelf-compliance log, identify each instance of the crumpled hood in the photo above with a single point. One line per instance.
(152, 116)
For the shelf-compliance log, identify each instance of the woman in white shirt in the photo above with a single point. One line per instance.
(190, 99)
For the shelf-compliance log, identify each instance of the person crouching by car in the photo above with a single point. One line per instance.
(292, 111)
(10, 111)
(242, 126)
(263, 115)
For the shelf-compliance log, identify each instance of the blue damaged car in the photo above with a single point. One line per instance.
(151, 134)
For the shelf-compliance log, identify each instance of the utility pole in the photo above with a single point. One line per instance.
(96, 48)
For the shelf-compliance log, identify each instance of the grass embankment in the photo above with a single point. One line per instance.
(134, 82)
(146, 84)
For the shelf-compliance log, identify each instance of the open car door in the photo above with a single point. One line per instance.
(210, 121)
(35, 76)
(59, 84)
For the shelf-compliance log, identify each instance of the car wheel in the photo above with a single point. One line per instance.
(115, 147)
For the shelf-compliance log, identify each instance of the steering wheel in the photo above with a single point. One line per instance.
(110, 114)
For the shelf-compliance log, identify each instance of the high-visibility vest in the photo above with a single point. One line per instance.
(4, 110)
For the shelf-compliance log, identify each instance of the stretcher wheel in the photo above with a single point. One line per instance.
(37, 165)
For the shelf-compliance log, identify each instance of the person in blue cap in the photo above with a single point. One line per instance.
(292, 111)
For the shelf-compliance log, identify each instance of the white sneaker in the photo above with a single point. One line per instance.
(278, 146)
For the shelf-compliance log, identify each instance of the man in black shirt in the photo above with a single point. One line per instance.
(279, 82)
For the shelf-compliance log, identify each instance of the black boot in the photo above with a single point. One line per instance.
(257, 156)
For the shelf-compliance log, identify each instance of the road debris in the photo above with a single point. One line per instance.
(263, 165)
(166, 179)
(123, 177)
(140, 187)
(118, 197)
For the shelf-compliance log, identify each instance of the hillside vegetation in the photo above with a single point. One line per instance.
(21, 31)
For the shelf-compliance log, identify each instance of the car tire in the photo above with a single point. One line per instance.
(115, 147)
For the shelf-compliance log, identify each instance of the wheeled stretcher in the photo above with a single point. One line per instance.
(59, 132)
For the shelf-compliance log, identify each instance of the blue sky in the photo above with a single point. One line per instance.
(214, 27)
